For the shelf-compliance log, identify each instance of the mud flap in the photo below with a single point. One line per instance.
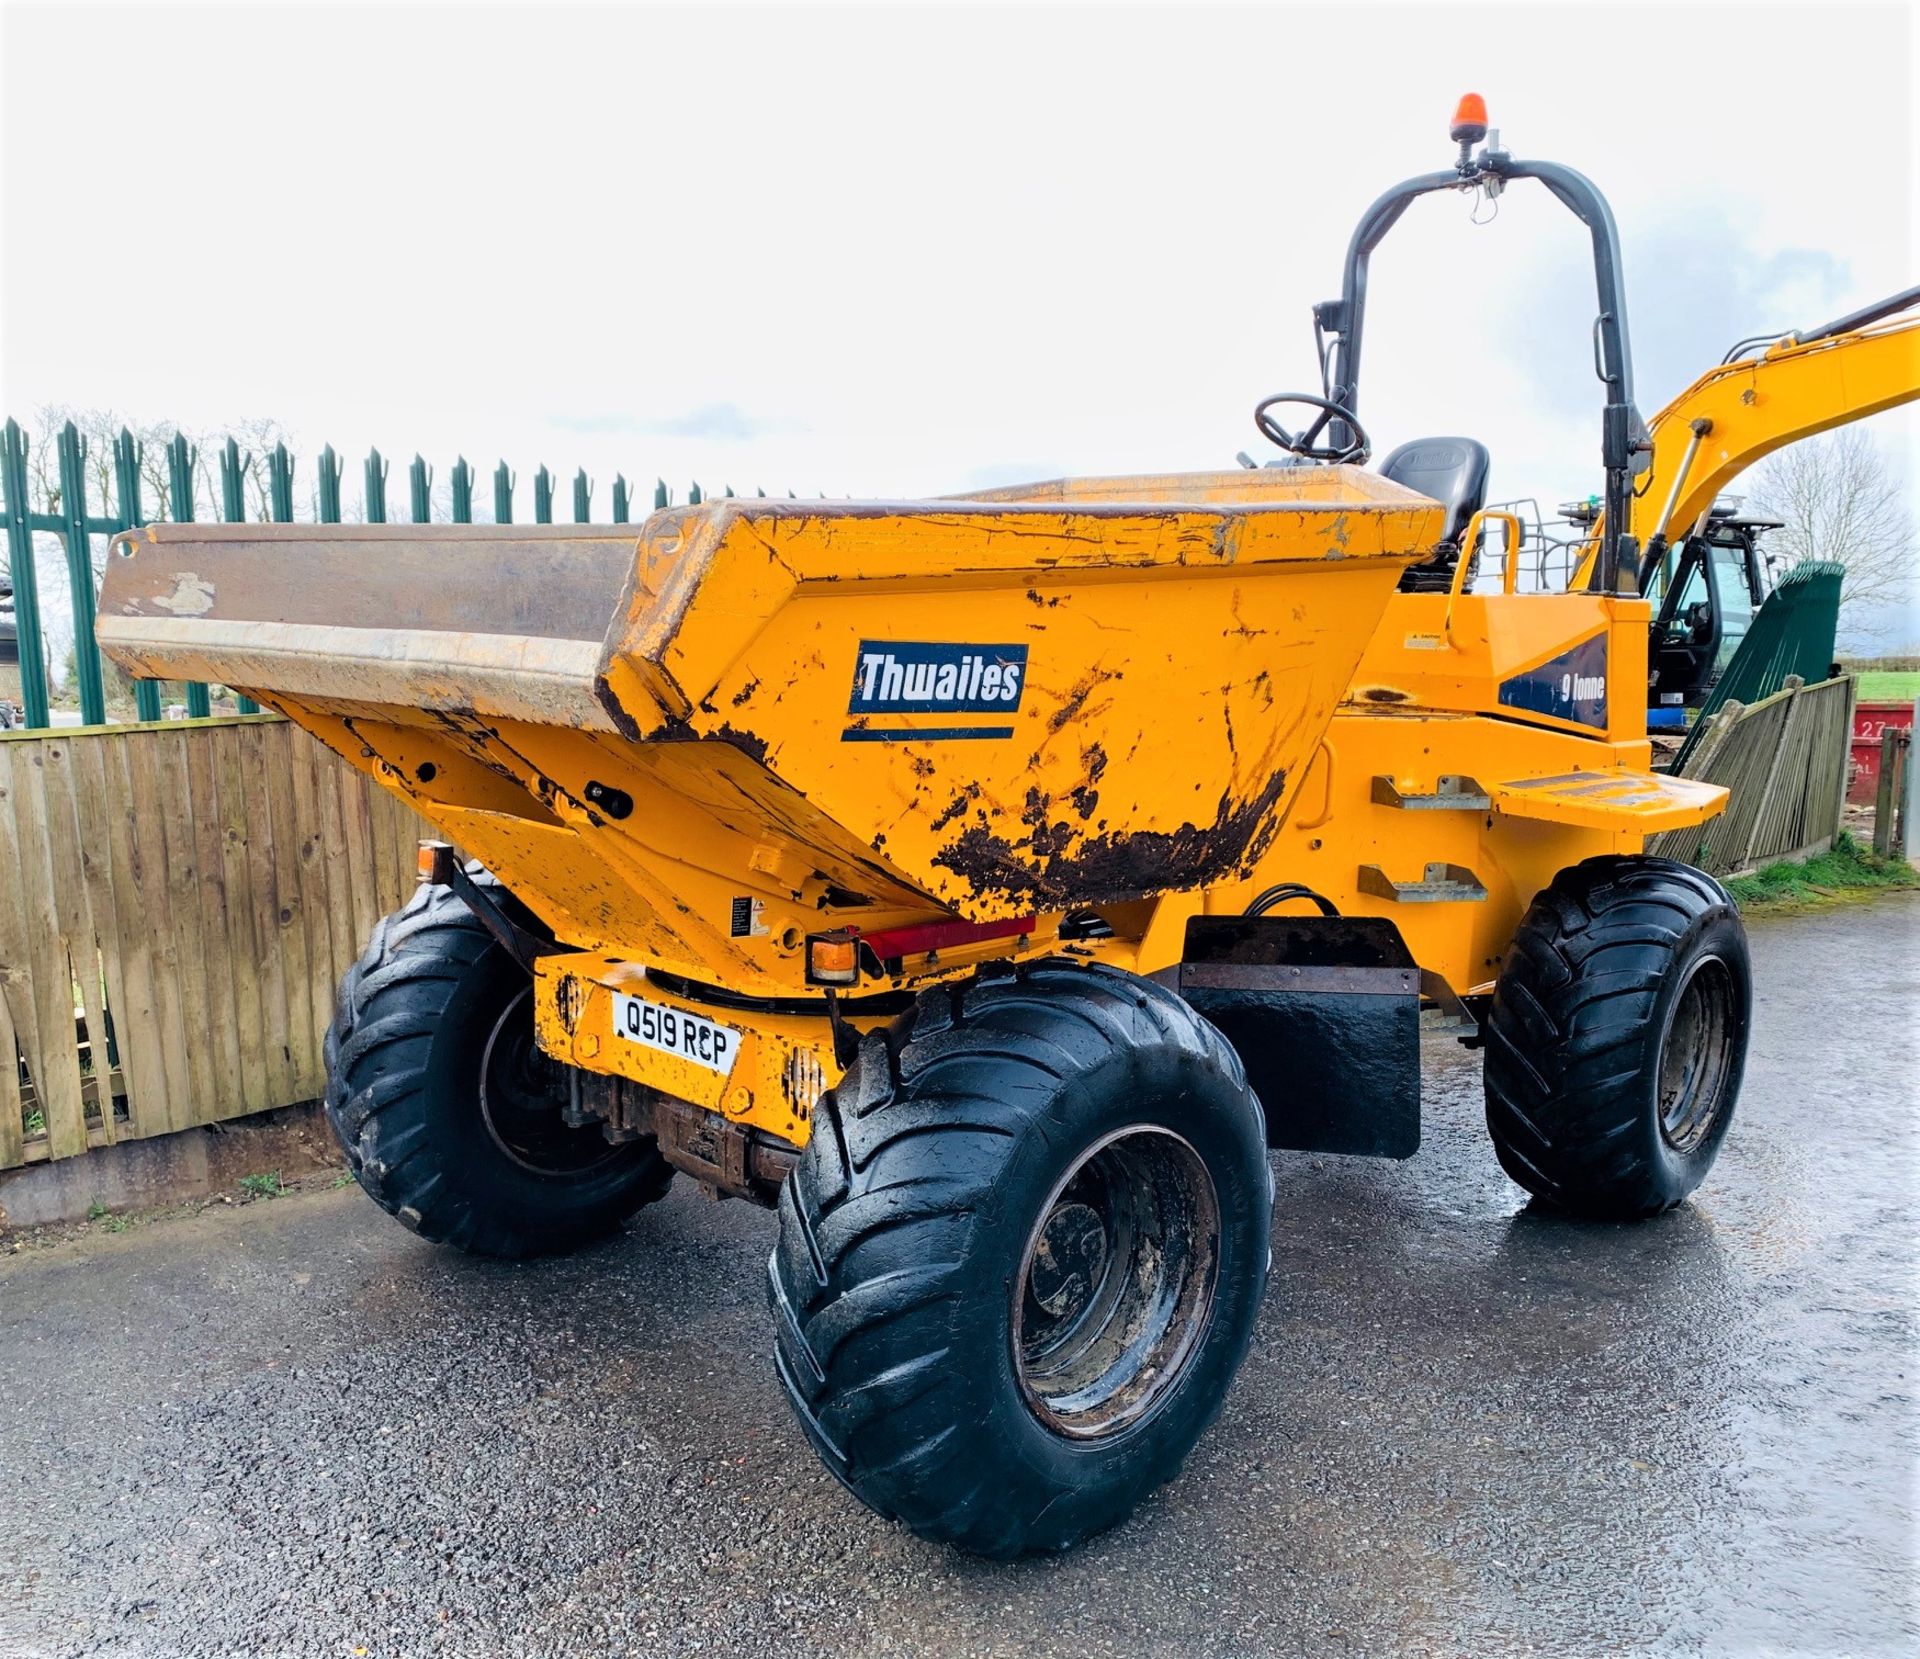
(1324, 1012)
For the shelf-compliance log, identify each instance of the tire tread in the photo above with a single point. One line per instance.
(416, 962)
(1568, 1021)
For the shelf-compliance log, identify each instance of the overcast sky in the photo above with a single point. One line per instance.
(908, 250)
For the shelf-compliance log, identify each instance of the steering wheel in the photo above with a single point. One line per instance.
(1302, 444)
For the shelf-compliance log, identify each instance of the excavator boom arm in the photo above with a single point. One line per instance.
(1759, 404)
(1735, 414)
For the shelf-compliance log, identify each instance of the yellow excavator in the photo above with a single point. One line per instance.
(1769, 393)
(1700, 564)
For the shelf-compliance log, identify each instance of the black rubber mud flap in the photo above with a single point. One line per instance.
(1324, 1012)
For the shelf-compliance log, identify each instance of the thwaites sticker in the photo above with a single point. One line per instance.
(914, 677)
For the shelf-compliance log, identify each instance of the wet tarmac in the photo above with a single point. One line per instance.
(1464, 1428)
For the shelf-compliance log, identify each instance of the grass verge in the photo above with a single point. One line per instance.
(1847, 870)
(1888, 685)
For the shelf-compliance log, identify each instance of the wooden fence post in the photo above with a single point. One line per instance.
(1887, 801)
(1909, 842)
(1846, 759)
(1719, 725)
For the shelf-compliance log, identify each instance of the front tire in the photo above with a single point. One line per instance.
(1021, 1257)
(1617, 1037)
(449, 1114)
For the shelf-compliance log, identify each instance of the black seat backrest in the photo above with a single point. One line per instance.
(1451, 470)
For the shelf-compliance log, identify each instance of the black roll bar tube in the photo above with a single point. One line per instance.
(1623, 435)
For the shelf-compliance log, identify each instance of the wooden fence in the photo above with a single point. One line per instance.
(1785, 760)
(178, 902)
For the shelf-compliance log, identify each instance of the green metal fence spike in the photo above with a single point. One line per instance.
(330, 468)
(233, 508)
(126, 480)
(503, 482)
(280, 485)
(462, 491)
(126, 493)
(80, 577)
(582, 497)
(543, 496)
(26, 581)
(662, 496)
(181, 460)
(728, 492)
(622, 504)
(420, 485)
(762, 494)
(57, 497)
(233, 493)
(694, 497)
(376, 487)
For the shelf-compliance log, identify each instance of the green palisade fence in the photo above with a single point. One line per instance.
(66, 512)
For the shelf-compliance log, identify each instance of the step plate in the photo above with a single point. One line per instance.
(1644, 802)
(1439, 884)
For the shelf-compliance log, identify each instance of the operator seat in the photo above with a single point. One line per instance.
(1454, 472)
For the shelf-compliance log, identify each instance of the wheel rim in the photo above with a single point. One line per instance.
(1116, 1284)
(521, 1087)
(1696, 1058)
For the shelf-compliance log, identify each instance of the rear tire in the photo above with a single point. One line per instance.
(447, 1111)
(1021, 1257)
(1617, 1037)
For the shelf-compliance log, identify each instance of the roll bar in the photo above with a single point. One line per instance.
(1625, 447)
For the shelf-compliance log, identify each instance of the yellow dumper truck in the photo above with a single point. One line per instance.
(990, 883)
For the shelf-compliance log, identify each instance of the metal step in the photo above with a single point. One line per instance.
(1441, 884)
(1446, 1014)
(1451, 794)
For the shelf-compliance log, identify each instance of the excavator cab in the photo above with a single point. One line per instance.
(1703, 612)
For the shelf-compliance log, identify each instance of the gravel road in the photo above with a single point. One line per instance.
(1464, 1427)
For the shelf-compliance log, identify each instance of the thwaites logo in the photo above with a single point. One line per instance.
(1572, 686)
(894, 677)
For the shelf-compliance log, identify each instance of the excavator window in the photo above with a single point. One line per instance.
(1686, 615)
(1733, 599)
(1705, 614)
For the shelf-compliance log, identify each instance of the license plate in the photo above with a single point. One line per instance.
(674, 1031)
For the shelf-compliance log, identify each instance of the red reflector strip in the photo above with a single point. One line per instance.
(923, 937)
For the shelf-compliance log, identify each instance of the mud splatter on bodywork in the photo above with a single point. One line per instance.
(1047, 867)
